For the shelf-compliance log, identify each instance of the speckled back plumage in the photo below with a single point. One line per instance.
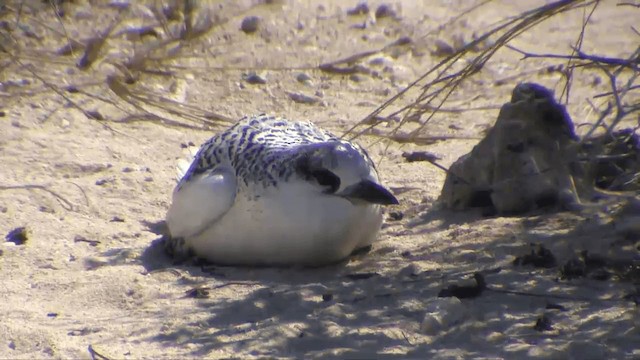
(262, 150)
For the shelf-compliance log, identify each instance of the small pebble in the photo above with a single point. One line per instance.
(356, 78)
(443, 48)
(303, 78)
(250, 24)
(2, 113)
(327, 297)
(396, 215)
(94, 115)
(18, 236)
(198, 293)
(360, 9)
(303, 99)
(383, 11)
(253, 78)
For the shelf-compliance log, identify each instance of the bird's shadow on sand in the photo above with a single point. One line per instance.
(155, 258)
(349, 310)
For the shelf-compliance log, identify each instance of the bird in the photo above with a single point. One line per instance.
(273, 192)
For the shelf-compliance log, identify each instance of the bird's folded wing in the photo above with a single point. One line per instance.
(201, 201)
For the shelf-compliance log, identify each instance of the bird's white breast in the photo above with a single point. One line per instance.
(290, 223)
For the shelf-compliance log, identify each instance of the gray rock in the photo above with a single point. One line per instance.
(250, 24)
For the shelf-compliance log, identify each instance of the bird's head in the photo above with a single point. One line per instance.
(342, 169)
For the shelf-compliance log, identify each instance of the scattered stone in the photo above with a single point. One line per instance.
(420, 156)
(127, 169)
(524, 161)
(3, 113)
(465, 291)
(384, 10)
(116, 219)
(201, 292)
(94, 115)
(327, 297)
(250, 24)
(101, 182)
(356, 78)
(253, 78)
(443, 49)
(46, 209)
(361, 9)
(539, 257)
(396, 215)
(303, 78)
(598, 267)
(18, 236)
(303, 99)
(543, 323)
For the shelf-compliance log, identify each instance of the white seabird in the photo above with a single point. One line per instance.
(268, 191)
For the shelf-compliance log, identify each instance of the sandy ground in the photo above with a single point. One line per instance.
(91, 277)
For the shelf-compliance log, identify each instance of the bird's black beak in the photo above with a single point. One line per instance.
(369, 191)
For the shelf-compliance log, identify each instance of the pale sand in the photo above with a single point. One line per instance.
(123, 298)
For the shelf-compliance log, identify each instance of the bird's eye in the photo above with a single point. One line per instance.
(325, 177)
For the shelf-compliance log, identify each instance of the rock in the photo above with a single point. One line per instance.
(442, 48)
(361, 9)
(253, 78)
(384, 10)
(18, 236)
(303, 99)
(303, 78)
(524, 161)
(250, 24)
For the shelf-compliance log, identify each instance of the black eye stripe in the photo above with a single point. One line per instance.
(325, 177)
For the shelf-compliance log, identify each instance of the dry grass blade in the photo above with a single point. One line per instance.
(434, 93)
(66, 204)
(141, 62)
